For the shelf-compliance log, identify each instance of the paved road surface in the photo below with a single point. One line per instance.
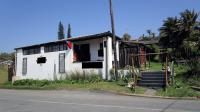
(85, 101)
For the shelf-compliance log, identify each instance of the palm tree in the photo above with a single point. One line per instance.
(183, 35)
(169, 32)
(189, 20)
(176, 30)
(189, 24)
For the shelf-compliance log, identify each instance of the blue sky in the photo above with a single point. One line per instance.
(27, 22)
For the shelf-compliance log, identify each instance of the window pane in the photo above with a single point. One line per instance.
(61, 47)
(62, 63)
(24, 66)
(31, 50)
(65, 46)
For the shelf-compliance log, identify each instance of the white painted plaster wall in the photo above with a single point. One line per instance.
(47, 71)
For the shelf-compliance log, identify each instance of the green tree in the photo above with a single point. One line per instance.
(151, 36)
(149, 33)
(188, 28)
(126, 37)
(169, 33)
(69, 31)
(6, 56)
(176, 31)
(61, 34)
(143, 38)
(183, 36)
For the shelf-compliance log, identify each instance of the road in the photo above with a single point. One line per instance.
(85, 101)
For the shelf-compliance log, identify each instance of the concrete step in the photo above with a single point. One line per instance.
(153, 75)
(152, 81)
(159, 72)
(152, 78)
(152, 84)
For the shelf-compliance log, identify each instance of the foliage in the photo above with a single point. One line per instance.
(144, 38)
(153, 48)
(151, 36)
(30, 82)
(84, 77)
(69, 31)
(169, 33)
(124, 80)
(194, 81)
(112, 74)
(6, 56)
(126, 37)
(65, 84)
(178, 92)
(154, 66)
(61, 34)
(75, 77)
(177, 30)
(182, 35)
(183, 72)
(180, 89)
(3, 74)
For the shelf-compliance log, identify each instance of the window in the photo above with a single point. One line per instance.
(100, 51)
(31, 50)
(86, 65)
(41, 60)
(62, 63)
(55, 47)
(24, 66)
(81, 52)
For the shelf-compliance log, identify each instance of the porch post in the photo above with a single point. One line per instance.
(109, 57)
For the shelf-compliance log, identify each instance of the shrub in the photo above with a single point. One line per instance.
(94, 78)
(74, 77)
(31, 82)
(77, 77)
(178, 92)
(112, 74)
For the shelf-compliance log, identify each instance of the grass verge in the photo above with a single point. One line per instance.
(179, 89)
(178, 92)
(102, 86)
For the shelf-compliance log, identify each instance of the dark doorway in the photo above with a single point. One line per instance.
(81, 52)
(85, 52)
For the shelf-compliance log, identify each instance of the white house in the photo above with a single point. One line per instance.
(92, 53)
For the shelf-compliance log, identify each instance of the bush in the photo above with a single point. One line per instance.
(112, 74)
(31, 82)
(184, 74)
(94, 78)
(179, 89)
(74, 77)
(77, 77)
(178, 92)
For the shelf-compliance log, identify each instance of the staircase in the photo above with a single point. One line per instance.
(152, 79)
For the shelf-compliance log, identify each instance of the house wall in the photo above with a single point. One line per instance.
(50, 69)
(94, 47)
(40, 71)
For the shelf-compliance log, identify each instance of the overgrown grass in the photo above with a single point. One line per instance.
(154, 66)
(178, 92)
(3, 74)
(67, 84)
(182, 73)
(179, 89)
(74, 80)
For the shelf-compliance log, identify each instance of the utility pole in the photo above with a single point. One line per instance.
(113, 40)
